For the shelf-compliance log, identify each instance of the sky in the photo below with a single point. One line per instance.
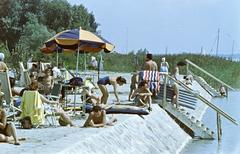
(168, 26)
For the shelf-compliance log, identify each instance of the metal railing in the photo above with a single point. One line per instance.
(204, 100)
(207, 73)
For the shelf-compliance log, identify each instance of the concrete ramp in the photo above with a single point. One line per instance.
(156, 133)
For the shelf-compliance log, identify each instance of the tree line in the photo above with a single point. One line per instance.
(26, 24)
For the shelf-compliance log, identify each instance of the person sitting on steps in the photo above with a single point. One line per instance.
(142, 95)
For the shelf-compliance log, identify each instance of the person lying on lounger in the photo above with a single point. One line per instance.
(142, 96)
(97, 118)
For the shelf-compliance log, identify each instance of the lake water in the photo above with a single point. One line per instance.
(230, 143)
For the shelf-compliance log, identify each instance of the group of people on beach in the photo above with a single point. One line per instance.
(41, 82)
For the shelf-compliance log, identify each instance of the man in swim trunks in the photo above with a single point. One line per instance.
(150, 64)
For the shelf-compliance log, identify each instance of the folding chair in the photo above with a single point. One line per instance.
(6, 89)
(24, 78)
(32, 107)
(55, 92)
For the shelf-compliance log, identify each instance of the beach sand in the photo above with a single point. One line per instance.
(155, 133)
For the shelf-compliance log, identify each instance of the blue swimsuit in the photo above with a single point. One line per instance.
(104, 81)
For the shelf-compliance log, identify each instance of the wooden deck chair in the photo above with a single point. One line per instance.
(32, 107)
(24, 78)
(6, 89)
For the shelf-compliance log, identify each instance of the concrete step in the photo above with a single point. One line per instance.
(186, 99)
(190, 122)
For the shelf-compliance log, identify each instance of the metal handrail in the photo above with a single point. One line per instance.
(204, 100)
(199, 68)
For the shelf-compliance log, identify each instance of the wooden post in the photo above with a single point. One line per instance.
(165, 92)
(219, 128)
(187, 68)
(226, 91)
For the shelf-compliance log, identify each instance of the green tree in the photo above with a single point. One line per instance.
(13, 17)
(57, 14)
(33, 36)
(81, 18)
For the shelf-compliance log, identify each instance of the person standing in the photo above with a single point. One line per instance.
(175, 72)
(3, 66)
(111, 81)
(93, 63)
(150, 64)
(133, 85)
(164, 65)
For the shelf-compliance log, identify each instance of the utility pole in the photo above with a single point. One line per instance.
(232, 49)
(126, 40)
(217, 42)
(201, 50)
(166, 50)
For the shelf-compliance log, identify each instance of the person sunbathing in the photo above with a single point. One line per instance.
(142, 96)
(7, 129)
(97, 118)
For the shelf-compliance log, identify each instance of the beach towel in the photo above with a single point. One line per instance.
(32, 106)
(121, 109)
(153, 79)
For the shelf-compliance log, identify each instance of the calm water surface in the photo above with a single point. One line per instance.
(230, 143)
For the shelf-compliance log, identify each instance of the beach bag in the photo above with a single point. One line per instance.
(76, 81)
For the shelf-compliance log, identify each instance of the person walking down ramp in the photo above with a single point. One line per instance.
(111, 81)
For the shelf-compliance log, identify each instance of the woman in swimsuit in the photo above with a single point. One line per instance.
(110, 81)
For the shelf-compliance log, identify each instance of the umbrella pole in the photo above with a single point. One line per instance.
(85, 68)
(77, 61)
(99, 61)
(75, 91)
(57, 58)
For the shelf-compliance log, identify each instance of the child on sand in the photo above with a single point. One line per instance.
(97, 118)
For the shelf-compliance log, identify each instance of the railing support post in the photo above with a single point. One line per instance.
(165, 91)
(219, 128)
